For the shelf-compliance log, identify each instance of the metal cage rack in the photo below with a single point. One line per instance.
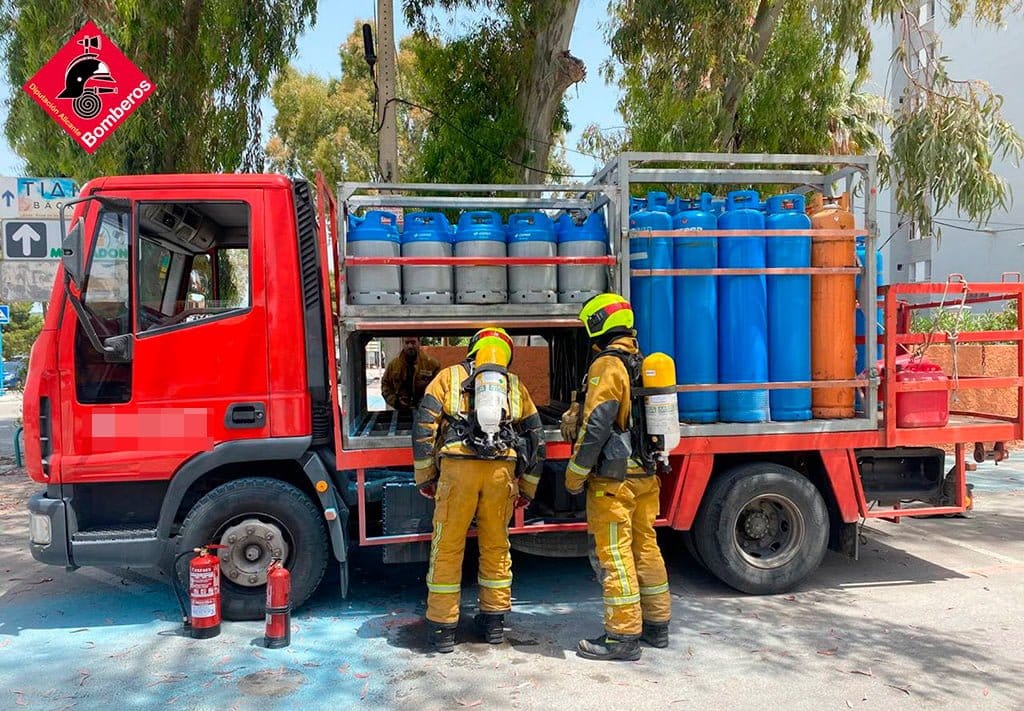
(829, 175)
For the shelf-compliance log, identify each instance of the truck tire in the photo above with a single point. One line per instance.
(242, 514)
(762, 528)
(691, 548)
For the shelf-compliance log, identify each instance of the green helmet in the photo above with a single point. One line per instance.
(604, 312)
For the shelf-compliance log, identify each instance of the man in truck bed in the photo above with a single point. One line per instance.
(407, 376)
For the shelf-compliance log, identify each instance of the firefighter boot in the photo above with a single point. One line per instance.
(610, 647)
(655, 634)
(441, 638)
(491, 626)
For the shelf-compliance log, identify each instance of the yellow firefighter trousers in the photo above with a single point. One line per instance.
(468, 488)
(620, 515)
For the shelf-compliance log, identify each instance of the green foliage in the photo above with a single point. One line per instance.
(22, 331)
(952, 320)
(211, 61)
(330, 124)
(766, 75)
(475, 123)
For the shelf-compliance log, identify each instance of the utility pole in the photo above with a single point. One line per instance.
(387, 150)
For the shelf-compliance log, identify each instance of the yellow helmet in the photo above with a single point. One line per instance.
(604, 312)
(493, 342)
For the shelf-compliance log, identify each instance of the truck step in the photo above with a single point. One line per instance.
(115, 533)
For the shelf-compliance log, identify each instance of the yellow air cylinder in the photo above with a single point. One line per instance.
(833, 305)
(661, 409)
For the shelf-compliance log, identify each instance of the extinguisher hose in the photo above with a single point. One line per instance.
(178, 593)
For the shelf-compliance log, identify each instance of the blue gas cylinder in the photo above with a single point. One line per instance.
(652, 297)
(742, 312)
(861, 332)
(789, 308)
(481, 234)
(376, 235)
(657, 200)
(696, 307)
(576, 282)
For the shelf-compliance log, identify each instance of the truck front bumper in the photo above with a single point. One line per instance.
(48, 537)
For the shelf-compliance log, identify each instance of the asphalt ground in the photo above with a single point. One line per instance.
(932, 615)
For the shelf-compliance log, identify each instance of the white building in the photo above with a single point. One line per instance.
(991, 55)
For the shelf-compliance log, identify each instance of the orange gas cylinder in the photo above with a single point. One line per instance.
(833, 305)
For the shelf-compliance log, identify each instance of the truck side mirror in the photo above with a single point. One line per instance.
(71, 247)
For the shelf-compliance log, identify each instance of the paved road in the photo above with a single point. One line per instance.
(930, 616)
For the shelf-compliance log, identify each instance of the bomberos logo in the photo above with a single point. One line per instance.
(89, 87)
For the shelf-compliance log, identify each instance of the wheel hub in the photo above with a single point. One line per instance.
(756, 525)
(769, 531)
(249, 548)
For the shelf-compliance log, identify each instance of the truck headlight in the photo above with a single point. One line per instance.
(39, 531)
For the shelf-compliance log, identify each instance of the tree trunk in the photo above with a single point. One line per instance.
(552, 71)
(763, 29)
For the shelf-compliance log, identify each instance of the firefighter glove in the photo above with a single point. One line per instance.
(570, 424)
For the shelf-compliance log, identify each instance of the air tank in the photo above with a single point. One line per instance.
(696, 308)
(532, 234)
(833, 303)
(742, 312)
(789, 308)
(480, 234)
(576, 282)
(376, 235)
(427, 234)
(652, 297)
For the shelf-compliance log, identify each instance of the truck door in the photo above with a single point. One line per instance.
(181, 276)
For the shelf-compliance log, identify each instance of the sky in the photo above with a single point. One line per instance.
(589, 102)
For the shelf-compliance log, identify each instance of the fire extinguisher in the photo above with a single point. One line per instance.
(202, 618)
(279, 607)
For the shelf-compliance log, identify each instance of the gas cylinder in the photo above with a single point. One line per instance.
(427, 234)
(490, 391)
(742, 311)
(375, 236)
(789, 308)
(278, 632)
(833, 302)
(532, 234)
(204, 593)
(696, 308)
(577, 283)
(652, 297)
(481, 234)
(661, 410)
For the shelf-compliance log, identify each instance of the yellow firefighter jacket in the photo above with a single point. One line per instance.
(604, 428)
(446, 402)
(403, 386)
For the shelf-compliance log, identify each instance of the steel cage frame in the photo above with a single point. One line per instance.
(802, 171)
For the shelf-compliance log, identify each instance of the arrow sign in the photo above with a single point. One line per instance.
(27, 234)
(8, 198)
(31, 239)
(5, 314)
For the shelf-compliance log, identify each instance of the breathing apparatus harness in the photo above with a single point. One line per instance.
(644, 446)
(465, 427)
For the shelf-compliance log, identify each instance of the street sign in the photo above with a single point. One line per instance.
(8, 197)
(43, 197)
(5, 314)
(31, 239)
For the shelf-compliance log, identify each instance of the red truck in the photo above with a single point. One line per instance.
(201, 377)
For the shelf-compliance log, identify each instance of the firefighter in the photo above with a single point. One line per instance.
(478, 424)
(609, 458)
(406, 377)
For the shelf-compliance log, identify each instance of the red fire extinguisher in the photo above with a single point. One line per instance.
(279, 608)
(203, 620)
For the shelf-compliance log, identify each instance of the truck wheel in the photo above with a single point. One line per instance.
(257, 519)
(762, 528)
(691, 548)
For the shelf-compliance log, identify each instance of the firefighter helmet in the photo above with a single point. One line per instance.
(494, 338)
(80, 72)
(605, 312)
